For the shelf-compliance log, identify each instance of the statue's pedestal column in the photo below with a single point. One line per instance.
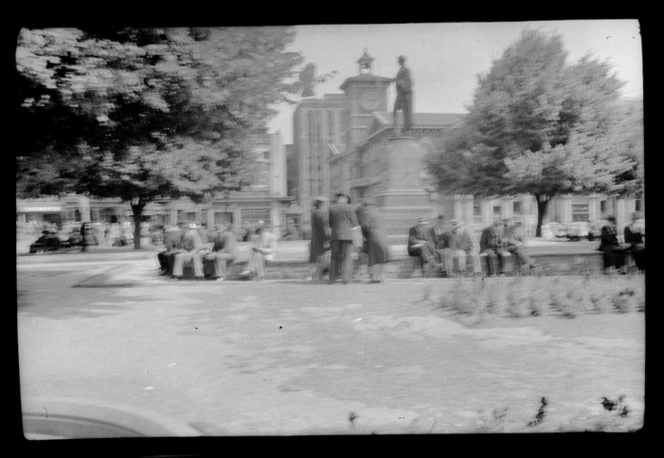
(403, 198)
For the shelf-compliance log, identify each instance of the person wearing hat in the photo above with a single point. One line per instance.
(344, 234)
(463, 245)
(439, 235)
(635, 237)
(320, 238)
(191, 252)
(173, 244)
(376, 246)
(419, 244)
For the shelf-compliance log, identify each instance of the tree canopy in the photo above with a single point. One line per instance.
(145, 113)
(542, 126)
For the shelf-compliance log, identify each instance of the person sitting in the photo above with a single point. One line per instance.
(173, 243)
(464, 245)
(492, 247)
(439, 234)
(635, 237)
(263, 248)
(224, 250)
(419, 244)
(191, 252)
(515, 244)
(614, 252)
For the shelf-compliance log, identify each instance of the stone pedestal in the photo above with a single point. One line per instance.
(403, 198)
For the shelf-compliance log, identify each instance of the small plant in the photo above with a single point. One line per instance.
(623, 301)
(541, 413)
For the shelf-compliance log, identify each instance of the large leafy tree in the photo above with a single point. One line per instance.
(142, 114)
(541, 126)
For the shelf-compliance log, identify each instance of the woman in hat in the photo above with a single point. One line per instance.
(376, 246)
(320, 238)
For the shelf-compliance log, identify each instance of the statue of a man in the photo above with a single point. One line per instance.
(404, 101)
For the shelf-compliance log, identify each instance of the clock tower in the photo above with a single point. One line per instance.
(365, 93)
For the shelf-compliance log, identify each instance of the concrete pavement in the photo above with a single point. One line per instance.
(289, 357)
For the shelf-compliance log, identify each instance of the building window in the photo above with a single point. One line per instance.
(477, 208)
(191, 217)
(637, 205)
(602, 206)
(225, 218)
(580, 212)
(497, 210)
(251, 216)
(517, 207)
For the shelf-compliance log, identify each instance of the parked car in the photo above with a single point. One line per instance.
(49, 241)
(557, 230)
(576, 230)
(595, 229)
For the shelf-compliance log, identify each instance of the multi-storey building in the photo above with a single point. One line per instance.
(265, 199)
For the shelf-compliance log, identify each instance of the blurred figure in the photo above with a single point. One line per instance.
(87, 236)
(635, 237)
(345, 232)
(492, 247)
(224, 250)
(203, 232)
(172, 243)
(263, 248)
(419, 244)
(190, 252)
(320, 238)
(515, 243)
(439, 236)
(376, 245)
(464, 245)
(614, 253)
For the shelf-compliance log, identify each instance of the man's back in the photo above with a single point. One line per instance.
(342, 221)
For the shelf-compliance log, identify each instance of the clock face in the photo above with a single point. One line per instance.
(369, 99)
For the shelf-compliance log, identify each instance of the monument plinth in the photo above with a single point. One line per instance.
(403, 197)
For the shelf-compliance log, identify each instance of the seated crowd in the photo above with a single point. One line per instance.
(447, 247)
(618, 252)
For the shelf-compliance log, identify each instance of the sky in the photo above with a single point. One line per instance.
(446, 58)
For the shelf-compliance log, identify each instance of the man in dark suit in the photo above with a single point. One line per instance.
(404, 100)
(419, 244)
(635, 237)
(492, 246)
(345, 232)
(173, 243)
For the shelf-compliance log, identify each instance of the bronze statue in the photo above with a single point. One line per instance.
(404, 101)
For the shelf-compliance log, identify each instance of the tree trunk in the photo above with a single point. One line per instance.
(542, 203)
(137, 211)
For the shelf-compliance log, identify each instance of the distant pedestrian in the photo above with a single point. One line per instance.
(87, 236)
(320, 238)
(345, 233)
(635, 237)
(376, 245)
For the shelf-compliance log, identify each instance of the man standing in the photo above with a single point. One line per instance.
(223, 251)
(191, 246)
(345, 232)
(492, 246)
(404, 100)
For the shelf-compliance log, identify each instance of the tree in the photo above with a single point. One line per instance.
(142, 114)
(538, 125)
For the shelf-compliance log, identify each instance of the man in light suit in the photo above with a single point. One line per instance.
(223, 251)
(263, 248)
(345, 232)
(191, 252)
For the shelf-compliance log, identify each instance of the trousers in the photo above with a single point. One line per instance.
(341, 261)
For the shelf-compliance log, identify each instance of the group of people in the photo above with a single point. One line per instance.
(617, 252)
(446, 247)
(189, 243)
(339, 234)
